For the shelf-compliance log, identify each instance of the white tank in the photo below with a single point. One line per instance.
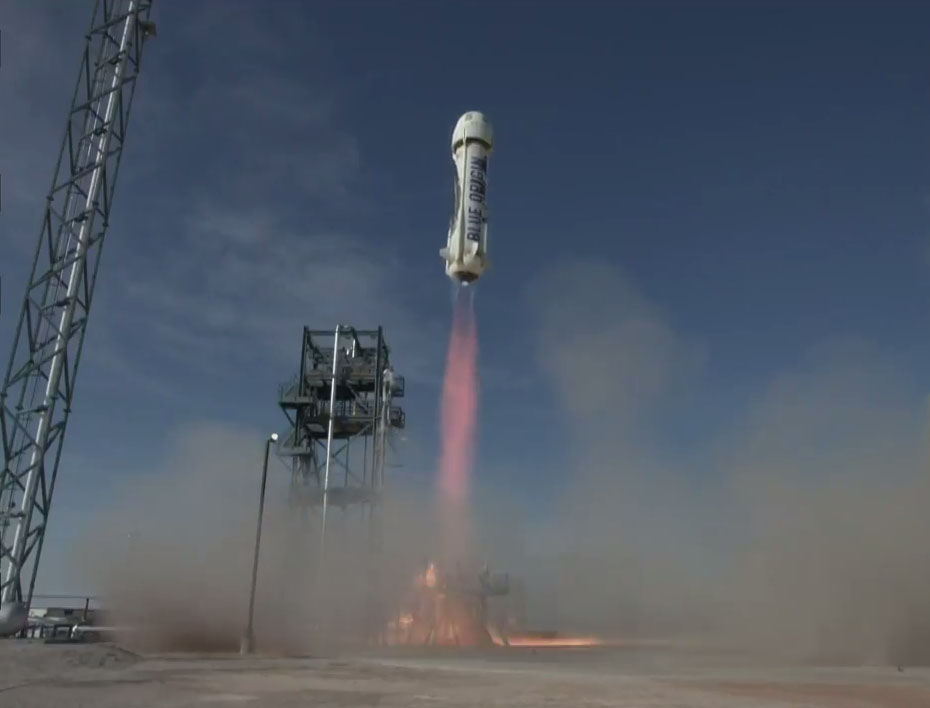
(466, 249)
(13, 618)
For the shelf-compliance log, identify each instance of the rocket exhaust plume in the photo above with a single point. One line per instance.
(465, 256)
(458, 416)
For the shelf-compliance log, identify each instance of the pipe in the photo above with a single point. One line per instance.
(329, 441)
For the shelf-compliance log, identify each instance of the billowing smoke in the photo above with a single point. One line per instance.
(172, 555)
(797, 528)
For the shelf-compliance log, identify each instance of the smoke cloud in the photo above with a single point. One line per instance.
(799, 531)
(797, 528)
(172, 556)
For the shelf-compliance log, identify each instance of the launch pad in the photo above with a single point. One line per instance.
(447, 609)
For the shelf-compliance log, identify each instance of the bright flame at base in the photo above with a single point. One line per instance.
(451, 609)
(549, 642)
(440, 610)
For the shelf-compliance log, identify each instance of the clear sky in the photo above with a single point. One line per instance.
(686, 201)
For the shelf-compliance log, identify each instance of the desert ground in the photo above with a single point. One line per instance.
(34, 675)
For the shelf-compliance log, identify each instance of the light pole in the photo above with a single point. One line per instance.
(248, 639)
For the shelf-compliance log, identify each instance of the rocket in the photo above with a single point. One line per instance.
(466, 249)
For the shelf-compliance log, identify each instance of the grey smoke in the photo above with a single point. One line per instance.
(799, 528)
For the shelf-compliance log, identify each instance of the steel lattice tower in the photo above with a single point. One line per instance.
(39, 384)
(340, 413)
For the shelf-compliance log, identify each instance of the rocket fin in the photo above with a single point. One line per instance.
(444, 253)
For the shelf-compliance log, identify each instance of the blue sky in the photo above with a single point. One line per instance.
(690, 204)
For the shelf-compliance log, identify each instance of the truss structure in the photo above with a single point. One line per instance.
(341, 411)
(38, 388)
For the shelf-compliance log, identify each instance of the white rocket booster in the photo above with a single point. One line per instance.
(466, 250)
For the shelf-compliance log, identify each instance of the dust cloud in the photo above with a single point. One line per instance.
(172, 558)
(796, 528)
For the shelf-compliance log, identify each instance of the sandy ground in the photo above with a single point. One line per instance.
(34, 674)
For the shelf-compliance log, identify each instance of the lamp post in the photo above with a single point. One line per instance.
(247, 643)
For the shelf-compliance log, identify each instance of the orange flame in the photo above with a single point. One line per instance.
(438, 613)
(553, 642)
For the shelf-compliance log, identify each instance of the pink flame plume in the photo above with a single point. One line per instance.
(458, 416)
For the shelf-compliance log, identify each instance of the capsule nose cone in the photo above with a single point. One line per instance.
(470, 117)
(474, 125)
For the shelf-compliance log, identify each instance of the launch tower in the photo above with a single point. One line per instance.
(341, 410)
(38, 389)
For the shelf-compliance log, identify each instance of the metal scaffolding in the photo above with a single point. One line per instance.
(39, 384)
(340, 409)
(341, 412)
